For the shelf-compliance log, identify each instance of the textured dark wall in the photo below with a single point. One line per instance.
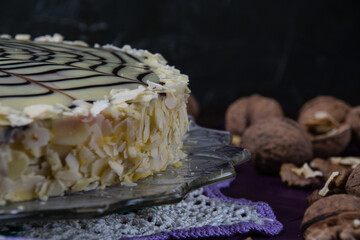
(290, 50)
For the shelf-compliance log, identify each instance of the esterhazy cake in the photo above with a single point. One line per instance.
(77, 118)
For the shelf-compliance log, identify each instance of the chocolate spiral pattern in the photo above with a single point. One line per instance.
(50, 73)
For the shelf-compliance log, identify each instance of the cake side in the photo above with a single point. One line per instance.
(49, 149)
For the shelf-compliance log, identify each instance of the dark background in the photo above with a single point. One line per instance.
(291, 50)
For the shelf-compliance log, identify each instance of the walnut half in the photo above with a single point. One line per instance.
(303, 177)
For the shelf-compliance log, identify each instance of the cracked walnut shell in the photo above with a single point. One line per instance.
(332, 143)
(323, 120)
(341, 227)
(332, 217)
(335, 107)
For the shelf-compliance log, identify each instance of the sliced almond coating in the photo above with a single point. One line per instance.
(56, 188)
(42, 190)
(69, 132)
(108, 177)
(54, 160)
(18, 164)
(98, 167)
(24, 188)
(36, 137)
(72, 162)
(171, 101)
(68, 177)
(83, 183)
(118, 168)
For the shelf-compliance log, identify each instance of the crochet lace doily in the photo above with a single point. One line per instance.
(204, 212)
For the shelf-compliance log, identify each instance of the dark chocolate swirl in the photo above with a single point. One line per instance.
(50, 73)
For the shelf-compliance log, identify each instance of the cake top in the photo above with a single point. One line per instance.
(43, 72)
(48, 77)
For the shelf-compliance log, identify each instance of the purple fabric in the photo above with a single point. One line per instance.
(270, 228)
(289, 205)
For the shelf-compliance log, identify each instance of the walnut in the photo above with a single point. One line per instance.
(193, 107)
(247, 110)
(321, 123)
(353, 119)
(334, 107)
(353, 182)
(336, 227)
(323, 119)
(302, 177)
(236, 120)
(275, 141)
(314, 196)
(332, 143)
(332, 217)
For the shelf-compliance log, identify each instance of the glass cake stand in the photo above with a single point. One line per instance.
(209, 159)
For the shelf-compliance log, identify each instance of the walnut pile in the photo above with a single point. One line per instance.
(332, 213)
(324, 128)
(334, 172)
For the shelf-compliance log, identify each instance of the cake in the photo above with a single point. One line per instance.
(74, 117)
